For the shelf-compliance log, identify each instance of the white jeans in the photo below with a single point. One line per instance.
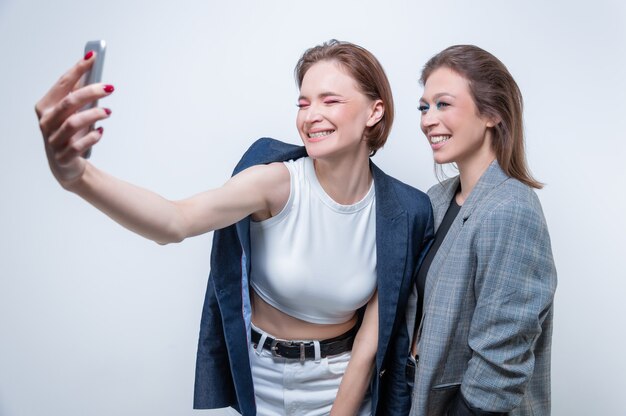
(285, 386)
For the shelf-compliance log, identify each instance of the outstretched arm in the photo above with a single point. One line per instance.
(359, 372)
(260, 190)
(152, 216)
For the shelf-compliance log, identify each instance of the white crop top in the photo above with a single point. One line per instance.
(316, 259)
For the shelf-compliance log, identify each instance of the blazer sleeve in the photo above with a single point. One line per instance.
(514, 289)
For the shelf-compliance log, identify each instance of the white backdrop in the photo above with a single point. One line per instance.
(97, 321)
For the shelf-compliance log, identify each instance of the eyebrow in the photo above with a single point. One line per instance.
(439, 95)
(322, 95)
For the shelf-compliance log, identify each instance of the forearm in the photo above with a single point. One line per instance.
(137, 209)
(354, 384)
(357, 377)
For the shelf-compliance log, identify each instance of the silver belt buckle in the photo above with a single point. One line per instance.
(274, 348)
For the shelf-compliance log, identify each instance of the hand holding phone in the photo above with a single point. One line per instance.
(94, 75)
(61, 109)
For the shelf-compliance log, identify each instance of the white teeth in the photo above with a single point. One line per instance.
(320, 134)
(439, 139)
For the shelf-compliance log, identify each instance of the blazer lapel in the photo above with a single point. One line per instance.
(492, 177)
(441, 195)
(391, 255)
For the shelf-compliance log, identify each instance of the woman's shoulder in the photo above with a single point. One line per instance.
(266, 150)
(513, 202)
(516, 193)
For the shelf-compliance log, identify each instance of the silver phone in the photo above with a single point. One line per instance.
(94, 75)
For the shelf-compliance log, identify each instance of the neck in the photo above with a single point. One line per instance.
(345, 180)
(472, 168)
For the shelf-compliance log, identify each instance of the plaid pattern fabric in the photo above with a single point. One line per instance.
(489, 293)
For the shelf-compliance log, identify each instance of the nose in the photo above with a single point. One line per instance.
(428, 120)
(312, 114)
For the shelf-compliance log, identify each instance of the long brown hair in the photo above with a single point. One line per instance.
(368, 74)
(497, 96)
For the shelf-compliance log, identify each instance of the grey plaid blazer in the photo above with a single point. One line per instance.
(487, 321)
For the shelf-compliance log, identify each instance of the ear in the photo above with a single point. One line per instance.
(493, 121)
(378, 110)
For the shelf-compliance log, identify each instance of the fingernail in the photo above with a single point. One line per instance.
(88, 55)
(109, 88)
(108, 111)
(100, 130)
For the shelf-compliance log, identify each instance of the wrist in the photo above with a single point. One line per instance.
(76, 183)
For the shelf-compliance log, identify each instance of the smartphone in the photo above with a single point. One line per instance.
(95, 73)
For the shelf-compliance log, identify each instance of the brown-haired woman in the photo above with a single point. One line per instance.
(483, 325)
(313, 250)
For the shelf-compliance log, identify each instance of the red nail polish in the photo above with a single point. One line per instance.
(108, 111)
(88, 55)
(100, 130)
(109, 88)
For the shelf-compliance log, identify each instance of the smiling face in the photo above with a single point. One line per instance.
(333, 113)
(451, 123)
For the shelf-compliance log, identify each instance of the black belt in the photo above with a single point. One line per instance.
(301, 350)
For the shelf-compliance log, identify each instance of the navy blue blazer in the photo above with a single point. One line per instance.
(404, 226)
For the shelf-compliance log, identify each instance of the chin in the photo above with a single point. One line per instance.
(316, 149)
(442, 160)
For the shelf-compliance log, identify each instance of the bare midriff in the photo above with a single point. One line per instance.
(283, 326)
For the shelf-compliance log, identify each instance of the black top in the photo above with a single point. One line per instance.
(440, 235)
